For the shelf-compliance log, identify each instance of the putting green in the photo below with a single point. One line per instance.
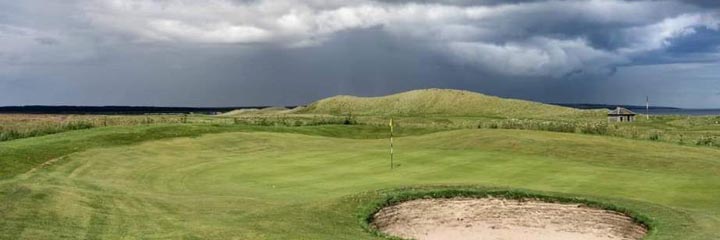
(261, 185)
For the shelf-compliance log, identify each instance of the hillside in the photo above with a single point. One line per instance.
(447, 102)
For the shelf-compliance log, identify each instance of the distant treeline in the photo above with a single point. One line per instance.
(124, 110)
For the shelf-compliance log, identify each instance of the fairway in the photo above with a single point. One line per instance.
(270, 185)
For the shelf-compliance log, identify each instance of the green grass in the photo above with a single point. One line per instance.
(242, 182)
(20, 156)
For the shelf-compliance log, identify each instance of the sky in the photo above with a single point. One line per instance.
(289, 52)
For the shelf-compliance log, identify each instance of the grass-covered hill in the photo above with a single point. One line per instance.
(447, 102)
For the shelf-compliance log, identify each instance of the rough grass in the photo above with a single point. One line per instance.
(444, 102)
(434, 109)
(16, 126)
(279, 185)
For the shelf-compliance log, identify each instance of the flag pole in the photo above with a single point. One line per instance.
(647, 107)
(391, 144)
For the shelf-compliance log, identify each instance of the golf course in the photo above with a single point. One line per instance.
(322, 171)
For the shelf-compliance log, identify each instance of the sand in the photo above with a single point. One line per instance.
(493, 218)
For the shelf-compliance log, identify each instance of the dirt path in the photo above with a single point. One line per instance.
(492, 218)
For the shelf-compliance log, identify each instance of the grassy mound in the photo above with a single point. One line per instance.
(445, 102)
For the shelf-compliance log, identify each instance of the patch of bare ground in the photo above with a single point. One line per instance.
(507, 219)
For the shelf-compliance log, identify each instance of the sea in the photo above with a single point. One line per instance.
(654, 110)
(678, 111)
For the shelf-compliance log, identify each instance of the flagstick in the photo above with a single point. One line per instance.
(391, 144)
(647, 107)
(391, 152)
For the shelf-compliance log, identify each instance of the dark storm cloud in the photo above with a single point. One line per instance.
(46, 40)
(704, 3)
(236, 52)
(464, 2)
(702, 41)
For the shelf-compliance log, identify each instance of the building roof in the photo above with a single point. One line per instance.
(619, 111)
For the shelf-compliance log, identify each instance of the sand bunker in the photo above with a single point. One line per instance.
(493, 218)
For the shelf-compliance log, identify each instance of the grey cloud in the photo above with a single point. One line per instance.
(553, 33)
(289, 52)
(704, 3)
(47, 40)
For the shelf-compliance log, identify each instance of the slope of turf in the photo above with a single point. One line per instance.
(22, 155)
(446, 102)
(264, 185)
